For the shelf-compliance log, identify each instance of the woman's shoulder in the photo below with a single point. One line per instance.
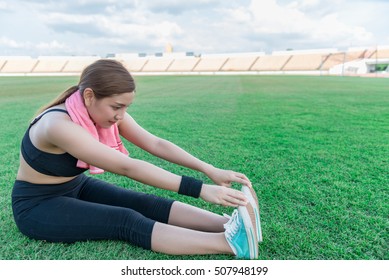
(48, 123)
(57, 108)
(60, 109)
(60, 106)
(52, 116)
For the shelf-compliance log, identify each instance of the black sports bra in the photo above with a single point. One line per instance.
(60, 165)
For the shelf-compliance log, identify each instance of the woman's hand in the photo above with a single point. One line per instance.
(222, 195)
(226, 177)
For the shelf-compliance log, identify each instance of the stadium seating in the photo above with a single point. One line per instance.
(210, 63)
(305, 62)
(308, 61)
(333, 59)
(133, 64)
(355, 54)
(48, 64)
(184, 64)
(239, 63)
(271, 63)
(19, 64)
(382, 53)
(77, 64)
(370, 53)
(157, 64)
(2, 62)
(337, 58)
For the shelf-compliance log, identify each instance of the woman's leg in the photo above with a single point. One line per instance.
(67, 219)
(70, 219)
(151, 206)
(156, 208)
(176, 240)
(180, 228)
(191, 230)
(187, 216)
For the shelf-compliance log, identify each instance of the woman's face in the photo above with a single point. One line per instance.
(109, 110)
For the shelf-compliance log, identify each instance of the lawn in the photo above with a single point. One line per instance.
(315, 148)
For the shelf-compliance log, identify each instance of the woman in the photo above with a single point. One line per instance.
(53, 200)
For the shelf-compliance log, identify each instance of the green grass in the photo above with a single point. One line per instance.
(315, 148)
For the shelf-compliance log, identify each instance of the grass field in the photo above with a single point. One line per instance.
(315, 148)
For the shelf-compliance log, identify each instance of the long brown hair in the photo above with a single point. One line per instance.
(106, 77)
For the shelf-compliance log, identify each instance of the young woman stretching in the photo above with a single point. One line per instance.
(53, 200)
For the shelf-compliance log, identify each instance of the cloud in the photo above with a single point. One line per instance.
(10, 43)
(89, 25)
(290, 25)
(101, 27)
(177, 7)
(82, 7)
(44, 47)
(4, 6)
(115, 28)
(52, 46)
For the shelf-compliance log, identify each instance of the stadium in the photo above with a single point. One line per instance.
(352, 62)
(308, 127)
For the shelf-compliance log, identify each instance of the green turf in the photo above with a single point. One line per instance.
(315, 148)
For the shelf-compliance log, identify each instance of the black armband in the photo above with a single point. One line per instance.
(190, 186)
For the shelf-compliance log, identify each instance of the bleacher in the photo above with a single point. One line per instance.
(19, 64)
(271, 63)
(133, 64)
(48, 64)
(77, 63)
(355, 54)
(184, 64)
(240, 62)
(380, 53)
(158, 64)
(210, 63)
(3, 60)
(332, 60)
(307, 62)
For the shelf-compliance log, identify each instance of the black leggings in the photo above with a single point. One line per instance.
(87, 209)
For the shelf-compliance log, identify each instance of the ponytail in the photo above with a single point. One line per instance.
(59, 99)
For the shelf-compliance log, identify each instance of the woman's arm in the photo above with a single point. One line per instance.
(164, 149)
(75, 140)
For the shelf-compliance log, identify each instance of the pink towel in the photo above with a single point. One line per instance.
(108, 136)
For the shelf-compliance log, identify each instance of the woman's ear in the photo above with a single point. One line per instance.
(88, 95)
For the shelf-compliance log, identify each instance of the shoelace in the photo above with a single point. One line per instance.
(232, 226)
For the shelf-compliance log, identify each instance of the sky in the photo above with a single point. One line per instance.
(96, 27)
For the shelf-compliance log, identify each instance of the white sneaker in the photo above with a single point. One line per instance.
(253, 201)
(240, 236)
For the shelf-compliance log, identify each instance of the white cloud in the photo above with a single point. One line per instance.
(270, 17)
(4, 5)
(101, 27)
(116, 28)
(296, 27)
(239, 15)
(44, 47)
(51, 46)
(10, 43)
